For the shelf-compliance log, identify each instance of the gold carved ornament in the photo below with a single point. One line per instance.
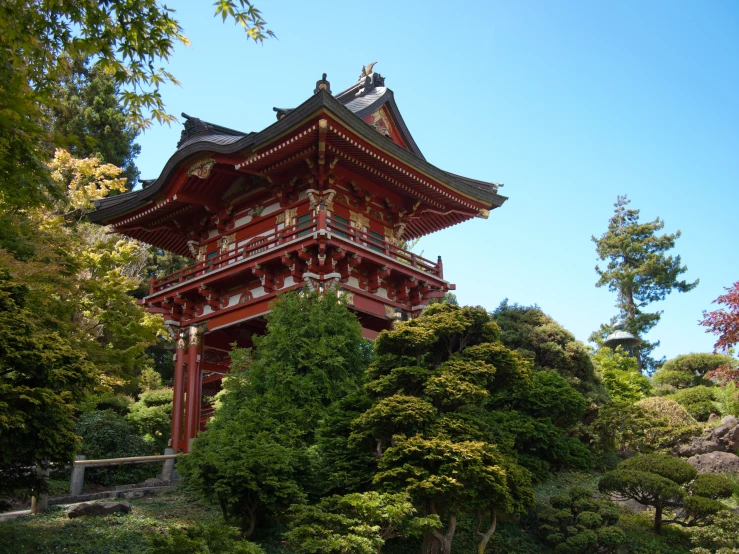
(201, 168)
(287, 217)
(360, 220)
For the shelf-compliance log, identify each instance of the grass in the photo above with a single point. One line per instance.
(114, 534)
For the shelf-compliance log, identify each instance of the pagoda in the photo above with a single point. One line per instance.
(324, 198)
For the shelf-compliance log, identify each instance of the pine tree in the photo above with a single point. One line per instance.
(639, 271)
(91, 121)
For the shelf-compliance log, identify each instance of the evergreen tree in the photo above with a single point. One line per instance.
(430, 382)
(90, 121)
(255, 459)
(639, 271)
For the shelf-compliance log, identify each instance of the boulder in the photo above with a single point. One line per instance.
(715, 462)
(98, 509)
(724, 438)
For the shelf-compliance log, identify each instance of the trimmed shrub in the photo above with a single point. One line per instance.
(712, 486)
(667, 408)
(698, 401)
(107, 434)
(152, 416)
(697, 364)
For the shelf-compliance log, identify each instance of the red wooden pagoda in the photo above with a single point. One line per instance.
(325, 197)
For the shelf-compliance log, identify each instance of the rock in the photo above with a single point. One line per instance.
(131, 494)
(712, 418)
(631, 505)
(698, 446)
(152, 482)
(715, 462)
(98, 509)
(724, 438)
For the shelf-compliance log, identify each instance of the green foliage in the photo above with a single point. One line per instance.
(698, 401)
(431, 382)
(106, 434)
(53, 531)
(537, 336)
(720, 537)
(712, 486)
(41, 378)
(257, 455)
(356, 523)
(665, 482)
(698, 365)
(89, 118)
(727, 399)
(620, 375)
(667, 408)
(40, 43)
(152, 417)
(210, 539)
(574, 523)
(639, 271)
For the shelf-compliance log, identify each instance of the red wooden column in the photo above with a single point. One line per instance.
(192, 417)
(178, 400)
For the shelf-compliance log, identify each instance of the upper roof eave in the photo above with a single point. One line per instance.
(108, 209)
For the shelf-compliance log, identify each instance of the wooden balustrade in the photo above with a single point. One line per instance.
(255, 246)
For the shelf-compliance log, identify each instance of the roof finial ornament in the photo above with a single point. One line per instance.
(323, 84)
(367, 70)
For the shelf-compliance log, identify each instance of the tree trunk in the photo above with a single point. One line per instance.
(658, 520)
(436, 543)
(485, 537)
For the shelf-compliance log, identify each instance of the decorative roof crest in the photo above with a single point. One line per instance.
(371, 79)
(323, 84)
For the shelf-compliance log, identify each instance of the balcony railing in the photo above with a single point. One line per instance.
(255, 246)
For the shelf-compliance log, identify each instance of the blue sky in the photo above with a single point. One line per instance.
(567, 103)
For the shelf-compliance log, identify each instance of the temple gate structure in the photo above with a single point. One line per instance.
(326, 197)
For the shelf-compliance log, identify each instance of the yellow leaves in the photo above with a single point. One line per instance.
(85, 180)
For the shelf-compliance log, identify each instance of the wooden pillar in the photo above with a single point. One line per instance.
(193, 406)
(178, 400)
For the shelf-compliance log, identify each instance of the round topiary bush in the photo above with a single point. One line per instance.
(698, 401)
(712, 486)
(667, 408)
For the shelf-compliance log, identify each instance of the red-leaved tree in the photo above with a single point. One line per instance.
(725, 324)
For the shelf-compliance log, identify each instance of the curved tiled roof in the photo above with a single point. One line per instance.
(349, 106)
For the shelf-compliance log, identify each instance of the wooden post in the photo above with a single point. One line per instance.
(77, 481)
(178, 400)
(192, 413)
(40, 502)
(321, 217)
(168, 466)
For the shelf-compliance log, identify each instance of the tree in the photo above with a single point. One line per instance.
(41, 378)
(79, 277)
(724, 322)
(620, 374)
(152, 416)
(357, 523)
(535, 335)
(39, 43)
(576, 523)
(255, 458)
(639, 271)
(89, 117)
(429, 383)
(665, 482)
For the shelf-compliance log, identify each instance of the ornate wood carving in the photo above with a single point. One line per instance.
(360, 220)
(201, 168)
(287, 217)
(227, 241)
